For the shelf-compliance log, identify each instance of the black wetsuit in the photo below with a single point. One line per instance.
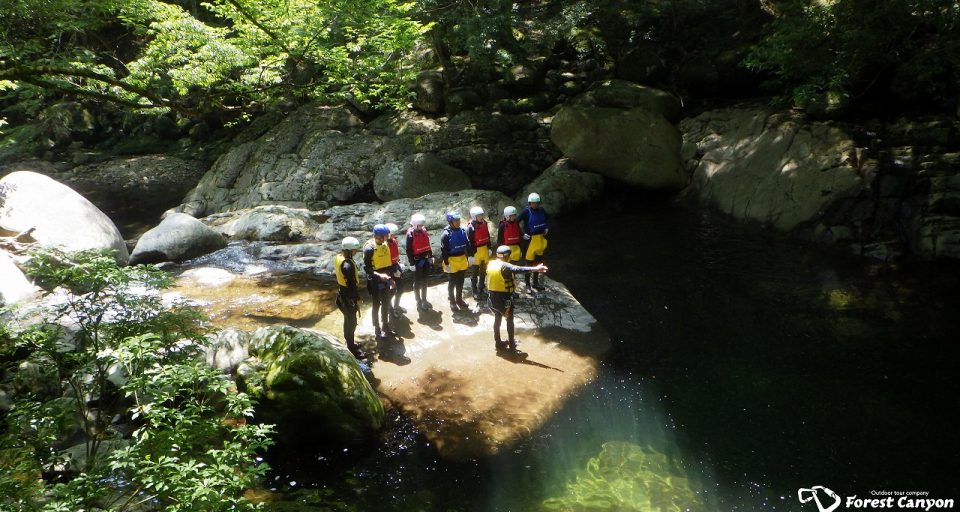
(421, 269)
(524, 219)
(455, 282)
(502, 304)
(380, 291)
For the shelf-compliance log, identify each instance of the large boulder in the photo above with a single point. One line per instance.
(633, 145)
(429, 92)
(60, 217)
(14, 285)
(624, 94)
(310, 386)
(418, 175)
(315, 157)
(776, 169)
(178, 237)
(271, 223)
(563, 188)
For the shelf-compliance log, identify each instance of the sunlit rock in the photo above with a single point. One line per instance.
(14, 285)
(60, 217)
(445, 374)
(178, 237)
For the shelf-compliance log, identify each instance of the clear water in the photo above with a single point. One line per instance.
(745, 365)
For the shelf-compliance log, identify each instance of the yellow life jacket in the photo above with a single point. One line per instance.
(381, 255)
(338, 269)
(496, 282)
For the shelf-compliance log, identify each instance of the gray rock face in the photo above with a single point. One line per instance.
(632, 145)
(178, 237)
(418, 175)
(60, 217)
(268, 223)
(563, 188)
(770, 168)
(317, 156)
(14, 285)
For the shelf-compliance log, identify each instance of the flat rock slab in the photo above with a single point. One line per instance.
(445, 374)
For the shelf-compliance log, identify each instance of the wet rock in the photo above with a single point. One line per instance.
(776, 169)
(178, 237)
(61, 218)
(309, 384)
(268, 223)
(633, 145)
(444, 373)
(563, 188)
(418, 175)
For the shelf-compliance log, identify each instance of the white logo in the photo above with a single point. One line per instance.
(813, 493)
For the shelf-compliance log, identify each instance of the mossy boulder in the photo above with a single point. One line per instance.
(310, 386)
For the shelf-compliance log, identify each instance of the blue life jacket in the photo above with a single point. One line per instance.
(536, 221)
(457, 241)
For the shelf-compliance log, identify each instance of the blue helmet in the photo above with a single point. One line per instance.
(381, 229)
(452, 216)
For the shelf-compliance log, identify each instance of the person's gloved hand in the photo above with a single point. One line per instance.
(526, 236)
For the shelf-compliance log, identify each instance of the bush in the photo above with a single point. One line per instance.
(159, 427)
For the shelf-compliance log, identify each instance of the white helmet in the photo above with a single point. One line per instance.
(476, 211)
(392, 227)
(350, 244)
(533, 198)
(508, 211)
(418, 219)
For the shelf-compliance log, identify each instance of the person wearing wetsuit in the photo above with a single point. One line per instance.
(453, 251)
(533, 219)
(478, 236)
(348, 296)
(500, 283)
(380, 270)
(420, 258)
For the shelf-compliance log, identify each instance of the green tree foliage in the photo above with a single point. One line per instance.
(125, 378)
(849, 48)
(218, 55)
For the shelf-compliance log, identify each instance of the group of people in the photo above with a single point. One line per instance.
(521, 238)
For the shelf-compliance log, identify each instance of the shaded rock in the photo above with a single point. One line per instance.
(150, 183)
(14, 285)
(623, 94)
(418, 175)
(67, 121)
(310, 384)
(775, 169)
(429, 92)
(61, 217)
(178, 237)
(563, 188)
(459, 99)
(634, 145)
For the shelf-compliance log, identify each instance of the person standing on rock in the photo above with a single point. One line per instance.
(508, 233)
(478, 235)
(453, 251)
(533, 219)
(398, 275)
(348, 296)
(501, 285)
(380, 270)
(420, 257)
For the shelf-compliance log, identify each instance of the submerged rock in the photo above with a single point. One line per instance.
(60, 217)
(630, 478)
